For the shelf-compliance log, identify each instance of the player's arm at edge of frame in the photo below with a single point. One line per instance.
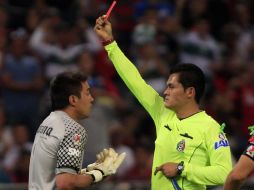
(66, 181)
(239, 174)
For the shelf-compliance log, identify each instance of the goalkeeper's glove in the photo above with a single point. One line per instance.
(108, 161)
(96, 174)
(111, 162)
(100, 158)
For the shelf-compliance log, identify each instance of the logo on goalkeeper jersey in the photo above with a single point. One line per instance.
(77, 139)
(73, 152)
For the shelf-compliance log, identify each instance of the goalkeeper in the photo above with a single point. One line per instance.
(58, 147)
(190, 146)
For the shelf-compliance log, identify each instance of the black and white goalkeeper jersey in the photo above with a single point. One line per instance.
(58, 147)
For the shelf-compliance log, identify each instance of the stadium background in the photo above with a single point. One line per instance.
(40, 38)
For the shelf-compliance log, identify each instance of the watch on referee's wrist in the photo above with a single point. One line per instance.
(180, 168)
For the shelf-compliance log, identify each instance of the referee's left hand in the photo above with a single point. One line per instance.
(103, 28)
(168, 169)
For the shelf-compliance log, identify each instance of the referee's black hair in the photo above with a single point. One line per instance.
(64, 85)
(191, 75)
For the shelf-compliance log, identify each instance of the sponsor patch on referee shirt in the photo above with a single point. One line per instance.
(223, 142)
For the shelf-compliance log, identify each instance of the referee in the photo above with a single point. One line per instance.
(190, 147)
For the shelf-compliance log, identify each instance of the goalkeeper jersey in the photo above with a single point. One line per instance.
(58, 147)
(196, 140)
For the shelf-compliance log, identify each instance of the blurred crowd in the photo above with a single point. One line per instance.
(41, 38)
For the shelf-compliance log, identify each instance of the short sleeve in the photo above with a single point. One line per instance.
(71, 149)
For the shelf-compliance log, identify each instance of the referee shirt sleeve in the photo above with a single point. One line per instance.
(145, 94)
(219, 165)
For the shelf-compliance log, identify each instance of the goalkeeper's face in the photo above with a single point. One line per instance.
(175, 97)
(84, 103)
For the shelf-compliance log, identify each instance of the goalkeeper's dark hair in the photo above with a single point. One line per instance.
(191, 75)
(63, 86)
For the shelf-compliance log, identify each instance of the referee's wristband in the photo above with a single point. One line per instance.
(107, 42)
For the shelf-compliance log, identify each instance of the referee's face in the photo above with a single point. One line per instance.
(84, 103)
(175, 97)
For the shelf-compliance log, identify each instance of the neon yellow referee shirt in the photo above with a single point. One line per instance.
(196, 140)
